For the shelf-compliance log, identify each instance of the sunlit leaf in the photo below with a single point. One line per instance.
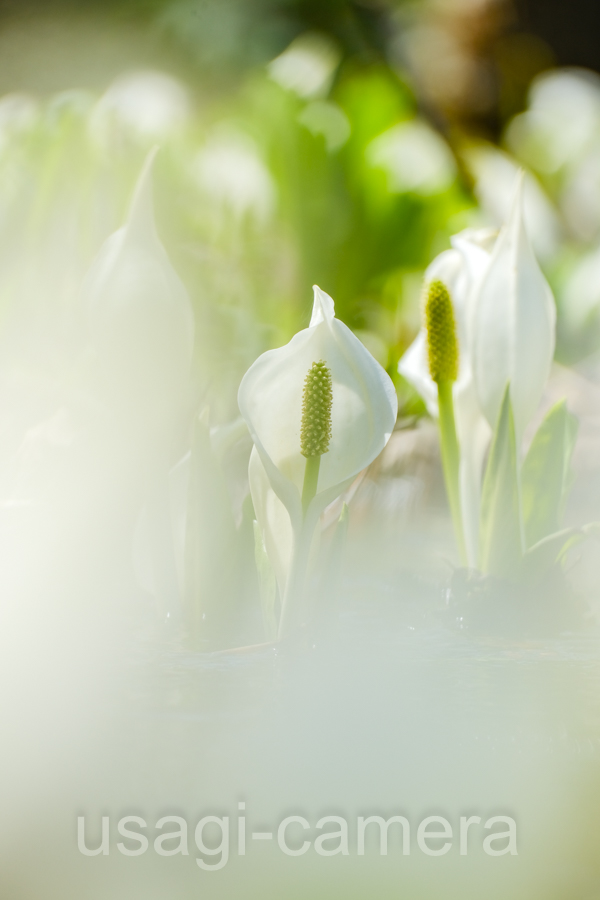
(546, 474)
(553, 549)
(500, 539)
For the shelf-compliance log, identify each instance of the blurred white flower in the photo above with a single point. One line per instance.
(495, 173)
(140, 318)
(514, 320)
(230, 172)
(327, 119)
(562, 119)
(189, 513)
(147, 105)
(363, 413)
(580, 196)
(461, 270)
(581, 295)
(414, 157)
(307, 66)
(18, 113)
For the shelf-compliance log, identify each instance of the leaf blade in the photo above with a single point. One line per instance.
(546, 474)
(501, 547)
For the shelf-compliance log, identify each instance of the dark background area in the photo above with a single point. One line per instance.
(53, 45)
(570, 27)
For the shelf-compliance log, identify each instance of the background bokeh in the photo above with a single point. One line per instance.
(324, 141)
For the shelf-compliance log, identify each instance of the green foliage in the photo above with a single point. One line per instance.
(501, 527)
(546, 553)
(553, 549)
(530, 509)
(546, 475)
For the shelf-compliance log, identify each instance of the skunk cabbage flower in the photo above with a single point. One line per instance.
(514, 320)
(140, 318)
(460, 270)
(144, 105)
(319, 410)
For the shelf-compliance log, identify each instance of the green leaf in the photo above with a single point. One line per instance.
(546, 475)
(500, 536)
(545, 553)
(553, 549)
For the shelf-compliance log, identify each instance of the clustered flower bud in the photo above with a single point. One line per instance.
(315, 433)
(440, 325)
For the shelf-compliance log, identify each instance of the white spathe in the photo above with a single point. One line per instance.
(364, 410)
(414, 158)
(140, 318)
(146, 105)
(514, 320)
(307, 66)
(461, 270)
(495, 174)
(233, 177)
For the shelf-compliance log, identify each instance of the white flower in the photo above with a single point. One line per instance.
(414, 157)
(140, 318)
(307, 66)
(363, 413)
(581, 297)
(495, 175)
(461, 270)
(514, 320)
(146, 105)
(232, 176)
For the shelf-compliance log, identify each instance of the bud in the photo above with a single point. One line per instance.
(315, 433)
(440, 325)
(514, 324)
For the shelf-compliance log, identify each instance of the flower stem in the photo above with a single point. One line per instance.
(451, 461)
(292, 605)
(311, 480)
(293, 599)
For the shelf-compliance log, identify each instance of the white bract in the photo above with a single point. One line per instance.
(145, 105)
(233, 177)
(461, 270)
(414, 158)
(514, 321)
(307, 66)
(140, 317)
(505, 317)
(363, 414)
(495, 174)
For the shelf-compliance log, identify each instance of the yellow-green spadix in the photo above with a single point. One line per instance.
(361, 412)
(442, 343)
(459, 270)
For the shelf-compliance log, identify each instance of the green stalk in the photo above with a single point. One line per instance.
(311, 480)
(294, 591)
(451, 461)
(293, 598)
(315, 435)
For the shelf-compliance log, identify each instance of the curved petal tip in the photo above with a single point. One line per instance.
(141, 212)
(323, 307)
(516, 204)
